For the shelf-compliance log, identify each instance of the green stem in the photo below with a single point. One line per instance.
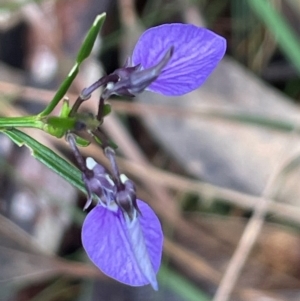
(83, 53)
(21, 122)
(59, 95)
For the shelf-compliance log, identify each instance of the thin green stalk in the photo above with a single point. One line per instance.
(83, 53)
(21, 122)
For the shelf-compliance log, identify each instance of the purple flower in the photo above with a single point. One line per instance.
(122, 236)
(197, 52)
(171, 59)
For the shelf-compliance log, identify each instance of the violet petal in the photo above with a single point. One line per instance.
(197, 51)
(129, 253)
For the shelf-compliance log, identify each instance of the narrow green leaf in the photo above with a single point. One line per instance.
(83, 53)
(48, 157)
(90, 38)
(61, 92)
(284, 34)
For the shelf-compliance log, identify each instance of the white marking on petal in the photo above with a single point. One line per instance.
(139, 249)
(112, 206)
(123, 178)
(111, 182)
(110, 86)
(90, 163)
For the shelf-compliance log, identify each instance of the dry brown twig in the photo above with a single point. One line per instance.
(188, 260)
(250, 235)
(172, 181)
(255, 223)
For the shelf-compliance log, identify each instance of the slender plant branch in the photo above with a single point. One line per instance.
(251, 232)
(27, 121)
